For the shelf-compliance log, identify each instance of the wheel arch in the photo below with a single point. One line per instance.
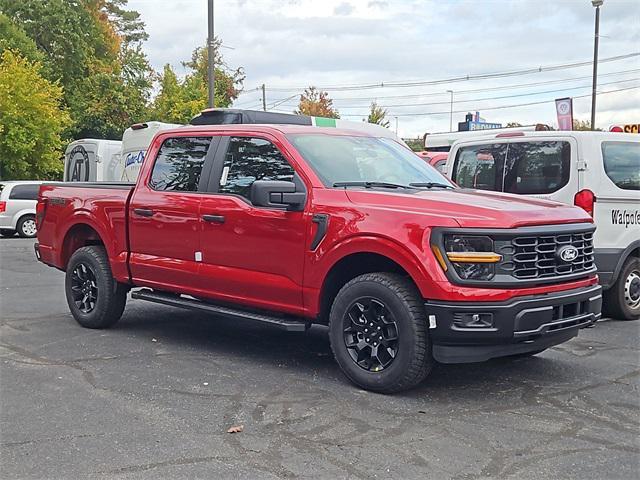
(78, 235)
(632, 250)
(354, 264)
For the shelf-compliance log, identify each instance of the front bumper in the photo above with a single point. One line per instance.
(520, 325)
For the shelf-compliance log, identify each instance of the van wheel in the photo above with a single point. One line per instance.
(95, 299)
(27, 226)
(378, 333)
(623, 298)
(7, 233)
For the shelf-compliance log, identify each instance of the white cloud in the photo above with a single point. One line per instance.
(330, 42)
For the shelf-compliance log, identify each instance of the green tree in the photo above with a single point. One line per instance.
(317, 104)
(180, 100)
(378, 115)
(16, 39)
(92, 47)
(31, 121)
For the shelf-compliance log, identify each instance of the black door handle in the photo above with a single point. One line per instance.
(213, 218)
(143, 212)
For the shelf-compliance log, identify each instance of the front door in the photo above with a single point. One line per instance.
(251, 255)
(164, 216)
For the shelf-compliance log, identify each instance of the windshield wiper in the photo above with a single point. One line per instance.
(370, 185)
(430, 185)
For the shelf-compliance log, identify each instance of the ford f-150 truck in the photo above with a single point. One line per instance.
(294, 225)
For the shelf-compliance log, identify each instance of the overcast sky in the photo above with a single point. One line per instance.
(289, 44)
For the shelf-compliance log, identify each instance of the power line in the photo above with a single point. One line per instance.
(482, 76)
(491, 98)
(488, 108)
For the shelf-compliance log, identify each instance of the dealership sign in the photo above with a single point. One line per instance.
(564, 110)
(629, 128)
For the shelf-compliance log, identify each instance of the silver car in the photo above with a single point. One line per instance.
(18, 201)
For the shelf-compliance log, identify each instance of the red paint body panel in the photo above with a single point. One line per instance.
(261, 257)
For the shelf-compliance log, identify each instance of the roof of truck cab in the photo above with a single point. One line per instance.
(270, 128)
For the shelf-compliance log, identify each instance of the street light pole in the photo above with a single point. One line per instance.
(211, 55)
(597, 4)
(451, 112)
(396, 125)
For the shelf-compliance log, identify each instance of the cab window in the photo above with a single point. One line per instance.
(622, 163)
(179, 164)
(250, 159)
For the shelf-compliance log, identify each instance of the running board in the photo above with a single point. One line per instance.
(290, 325)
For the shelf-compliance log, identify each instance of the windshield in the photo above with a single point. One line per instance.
(338, 159)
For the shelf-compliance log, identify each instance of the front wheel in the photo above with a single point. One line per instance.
(27, 226)
(378, 333)
(95, 299)
(623, 298)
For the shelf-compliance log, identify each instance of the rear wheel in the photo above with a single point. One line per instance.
(95, 299)
(622, 300)
(7, 233)
(378, 333)
(27, 226)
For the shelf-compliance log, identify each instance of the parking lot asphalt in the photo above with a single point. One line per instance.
(153, 397)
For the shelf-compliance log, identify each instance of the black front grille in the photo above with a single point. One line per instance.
(536, 256)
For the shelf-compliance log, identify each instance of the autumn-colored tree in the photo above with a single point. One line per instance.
(92, 48)
(180, 100)
(31, 121)
(316, 103)
(378, 115)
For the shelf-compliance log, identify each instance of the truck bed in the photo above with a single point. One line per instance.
(102, 208)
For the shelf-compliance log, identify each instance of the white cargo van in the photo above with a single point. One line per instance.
(598, 171)
(135, 142)
(92, 160)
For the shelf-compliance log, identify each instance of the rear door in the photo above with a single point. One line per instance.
(540, 167)
(80, 163)
(164, 214)
(251, 255)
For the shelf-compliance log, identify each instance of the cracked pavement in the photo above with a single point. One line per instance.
(154, 396)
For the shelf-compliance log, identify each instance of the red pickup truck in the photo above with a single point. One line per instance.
(293, 225)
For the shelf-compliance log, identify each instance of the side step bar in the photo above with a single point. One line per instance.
(290, 325)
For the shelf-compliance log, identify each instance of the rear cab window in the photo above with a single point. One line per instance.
(479, 166)
(179, 164)
(622, 163)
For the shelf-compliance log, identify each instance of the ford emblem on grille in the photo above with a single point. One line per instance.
(567, 254)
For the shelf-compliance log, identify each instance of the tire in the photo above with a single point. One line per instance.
(94, 297)
(391, 303)
(7, 233)
(27, 226)
(622, 300)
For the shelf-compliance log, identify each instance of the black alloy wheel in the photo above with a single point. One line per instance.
(370, 334)
(84, 288)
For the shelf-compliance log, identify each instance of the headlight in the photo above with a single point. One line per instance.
(472, 257)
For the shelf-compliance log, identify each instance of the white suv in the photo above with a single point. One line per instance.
(598, 171)
(18, 208)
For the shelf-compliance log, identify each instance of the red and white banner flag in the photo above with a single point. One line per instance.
(564, 110)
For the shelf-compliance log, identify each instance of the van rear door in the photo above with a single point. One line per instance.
(540, 167)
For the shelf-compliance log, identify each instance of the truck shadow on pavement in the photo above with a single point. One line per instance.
(262, 347)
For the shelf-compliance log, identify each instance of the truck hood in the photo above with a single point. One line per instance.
(474, 208)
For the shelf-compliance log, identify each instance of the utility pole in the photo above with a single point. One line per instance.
(451, 112)
(597, 4)
(211, 55)
(264, 98)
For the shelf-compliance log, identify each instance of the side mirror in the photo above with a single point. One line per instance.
(277, 194)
